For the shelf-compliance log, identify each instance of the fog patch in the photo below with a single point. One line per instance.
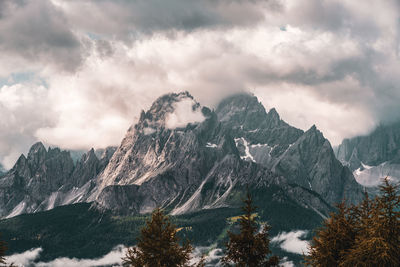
(30, 258)
(186, 111)
(212, 256)
(25, 258)
(292, 242)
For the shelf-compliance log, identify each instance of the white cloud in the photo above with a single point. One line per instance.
(185, 112)
(286, 263)
(112, 258)
(26, 258)
(212, 257)
(23, 110)
(291, 241)
(329, 63)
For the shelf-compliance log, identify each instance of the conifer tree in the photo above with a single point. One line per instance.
(158, 245)
(249, 248)
(333, 239)
(378, 241)
(364, 235)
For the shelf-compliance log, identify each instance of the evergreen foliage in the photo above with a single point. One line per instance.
(364, 235)
(158, 245)
(249, 248)
(334, 238)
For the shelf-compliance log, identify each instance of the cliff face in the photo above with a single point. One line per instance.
(46, 179)
(373, 156)
(304, 158)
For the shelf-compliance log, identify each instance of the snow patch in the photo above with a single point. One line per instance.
(247, 155)
(365, 166)
(183, 114)
(372, 176)
(211, 145)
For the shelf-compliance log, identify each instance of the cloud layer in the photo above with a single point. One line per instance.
(113, 258)
(30, 257)
(292, 242)
(76, 74)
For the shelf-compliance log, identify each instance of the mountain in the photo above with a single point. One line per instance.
(303, 158)
(193, 161)
(2, 169)
(205, 163)
(374, 156)
(46, 179)
(185, 158)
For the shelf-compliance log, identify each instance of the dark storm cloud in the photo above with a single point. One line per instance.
(39, 33)
(124, 18)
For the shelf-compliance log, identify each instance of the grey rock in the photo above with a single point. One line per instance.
(380, 146)
(48, 178)
(201, 165)
(204, 165)
(374, 156)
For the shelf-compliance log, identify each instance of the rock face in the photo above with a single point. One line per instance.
(304, 158)
(46, 179)
(373, 156)
(204, 164)
(184, 157)
(2, 170)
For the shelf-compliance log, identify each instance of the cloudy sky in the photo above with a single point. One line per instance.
(76, 73)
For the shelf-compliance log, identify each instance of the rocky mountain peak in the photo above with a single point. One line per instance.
(21, 167)
(36, 155)
(240, 108)
(37, 148)
(90, 155)
(2, 169)
(313, 131)
(272, 113)
(273, 119)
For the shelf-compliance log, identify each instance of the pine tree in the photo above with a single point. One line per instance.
(249, 248)
(334, 238)
(158, 245)
(378, 241)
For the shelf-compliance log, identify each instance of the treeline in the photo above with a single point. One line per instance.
(159, 246)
